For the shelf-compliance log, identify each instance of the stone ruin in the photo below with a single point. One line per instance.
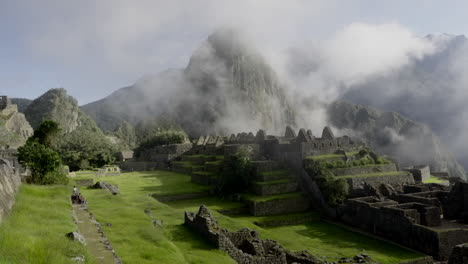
(428, 218)
(108, 171)
(245, 246)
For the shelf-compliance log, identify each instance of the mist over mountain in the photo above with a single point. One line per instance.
(431, 90)
(229, 86)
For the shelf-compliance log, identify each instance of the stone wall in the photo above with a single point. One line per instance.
(408, 224)
(10, 181)
(420, 173)
(164, 153)
(282, 206)
(275, 188)
(358, 186)
(364, 169)
(244, 246)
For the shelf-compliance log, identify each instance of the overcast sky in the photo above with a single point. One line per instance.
(93, 48)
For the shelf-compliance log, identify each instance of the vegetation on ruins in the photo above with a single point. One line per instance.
(45, 163)
(237, 171)
(334, 189)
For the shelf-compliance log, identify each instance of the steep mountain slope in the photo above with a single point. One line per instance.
(226, 87)
(56, 105)
(392, 134)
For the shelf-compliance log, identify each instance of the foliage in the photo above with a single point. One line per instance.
(164, 137)
(84, 149)
(237, 171)
(46, 133)
(45, 164)
(127, 135)
(146, 130)
(334, 189)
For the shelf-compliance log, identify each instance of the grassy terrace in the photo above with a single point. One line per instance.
(42, 217)
(35, 230)
(434, 179)
(282, 196)
(276, 174)
(273, 182)
(380, 174)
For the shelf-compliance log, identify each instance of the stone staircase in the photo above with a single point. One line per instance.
(203, 169)
(274, 191)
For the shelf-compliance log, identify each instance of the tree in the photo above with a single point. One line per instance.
(46, 132)
(127, 135)
(237, 171)
(45, 164)
(84, 149)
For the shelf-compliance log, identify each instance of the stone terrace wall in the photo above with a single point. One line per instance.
(364, 169)
(403, 223)
(358, 185)
(10, 181)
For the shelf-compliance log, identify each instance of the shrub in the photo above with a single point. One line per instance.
(45, 163)
(334, 190)
(164, 138)
(237, 171)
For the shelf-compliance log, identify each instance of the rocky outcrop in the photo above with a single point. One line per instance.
(392, 134)
(14, 128)
(106, 186)
(9, 183)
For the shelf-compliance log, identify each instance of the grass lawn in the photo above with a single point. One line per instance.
(434, 179)
(136, 240)
(35, 230)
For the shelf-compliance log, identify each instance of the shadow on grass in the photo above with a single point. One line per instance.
(193, 239)
(172, 183)
(339, 237)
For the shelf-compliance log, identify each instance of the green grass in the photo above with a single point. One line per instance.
(282, 196)
(136, 240)
(324, 157)
(35, 230)
(380, 174)
(273, 182)
(433, 179)
(276, 173)
(217, 162)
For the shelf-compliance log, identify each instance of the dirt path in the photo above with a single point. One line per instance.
(96, 242)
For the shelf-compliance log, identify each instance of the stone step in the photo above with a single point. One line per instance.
(204, 177)
(286, 203)
(213, 166)
(365, 169)
(267, 165)
(274, 187)
(287, 219)
(274, 175)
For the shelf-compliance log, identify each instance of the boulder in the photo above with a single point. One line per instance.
(76, 237)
